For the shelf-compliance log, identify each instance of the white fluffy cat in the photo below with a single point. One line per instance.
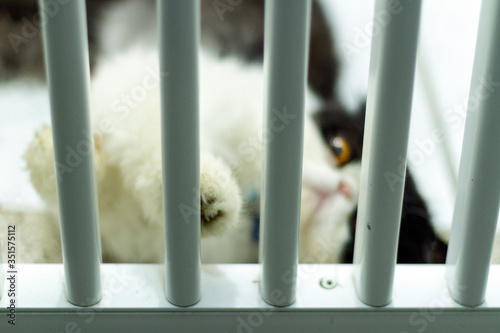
(126, 124)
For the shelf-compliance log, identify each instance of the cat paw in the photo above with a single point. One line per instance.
(220, 197)
(39, 158)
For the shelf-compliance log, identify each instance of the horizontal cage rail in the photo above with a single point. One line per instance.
(133, 300)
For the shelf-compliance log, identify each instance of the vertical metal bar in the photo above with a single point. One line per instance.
(287, 26)
(179, 25)
(478, 197)
(67, 64)
(2, 273)
(383, 169)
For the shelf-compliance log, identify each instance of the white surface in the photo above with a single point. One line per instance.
(24, 107)
(136, 287)
(447, 46)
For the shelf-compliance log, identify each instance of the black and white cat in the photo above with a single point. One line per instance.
(125, 103)
(128, 164)
(126, 127)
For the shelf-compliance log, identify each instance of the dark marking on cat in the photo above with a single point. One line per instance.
(241, 33)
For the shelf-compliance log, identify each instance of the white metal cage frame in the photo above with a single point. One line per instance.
(372, 294)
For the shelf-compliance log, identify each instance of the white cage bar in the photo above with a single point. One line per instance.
(285, 66)
(478, 195)
(67, 63)
(383, 167)
(179, 38)
(2, 274)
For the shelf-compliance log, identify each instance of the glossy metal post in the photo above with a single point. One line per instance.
(478, 196)
(383, 169)
(179, 36)
(286, 51)
(2, 275)
(67, 63)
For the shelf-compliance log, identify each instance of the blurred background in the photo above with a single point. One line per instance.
(447, 42)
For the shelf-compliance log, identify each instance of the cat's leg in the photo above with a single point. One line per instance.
(40, 163)
(220, 198)
(39, 159)
(42, 241)
(38, 237)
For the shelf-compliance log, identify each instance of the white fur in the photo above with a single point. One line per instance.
(126, 125)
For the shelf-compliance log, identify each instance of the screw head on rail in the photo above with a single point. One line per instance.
(327, 283)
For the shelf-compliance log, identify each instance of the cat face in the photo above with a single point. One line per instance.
(330, 184)
(343, 133)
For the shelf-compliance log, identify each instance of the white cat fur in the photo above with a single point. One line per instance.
(126, 125)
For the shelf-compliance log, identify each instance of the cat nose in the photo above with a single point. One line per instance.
(345, 189)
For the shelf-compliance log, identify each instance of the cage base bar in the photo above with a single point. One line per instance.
(133, 300)
(250, 321)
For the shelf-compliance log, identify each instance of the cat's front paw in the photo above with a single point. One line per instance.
(39, 159)
(219, 195)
